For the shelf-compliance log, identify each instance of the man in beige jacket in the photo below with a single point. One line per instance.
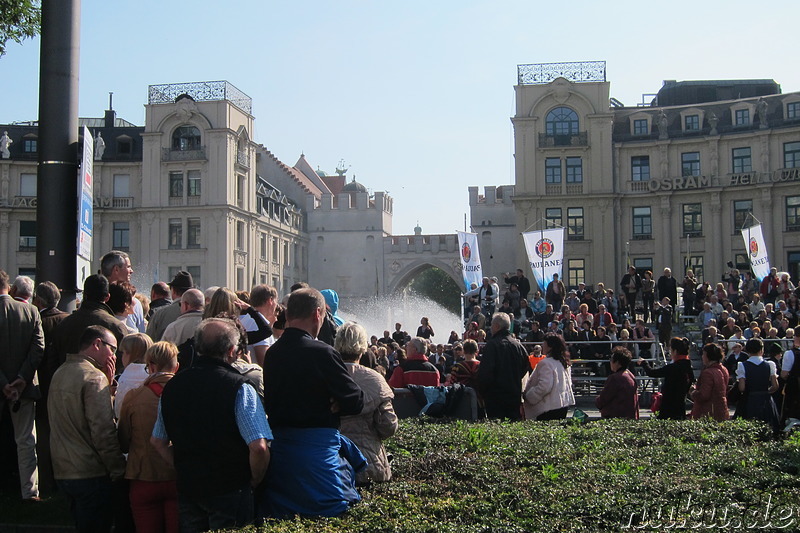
(83, 436)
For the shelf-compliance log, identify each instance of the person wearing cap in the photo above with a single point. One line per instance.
(168, 314)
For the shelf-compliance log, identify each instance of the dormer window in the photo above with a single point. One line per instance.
(640, 127)
(30, 145)
(186, 138)
(124, 145)
(692, 122)
(692, 119)
(741, 117)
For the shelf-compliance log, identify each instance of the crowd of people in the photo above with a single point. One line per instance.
(212, 409)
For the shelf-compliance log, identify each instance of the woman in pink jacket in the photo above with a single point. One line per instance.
(710, 392)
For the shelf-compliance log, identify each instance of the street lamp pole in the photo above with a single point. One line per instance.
(57, 182)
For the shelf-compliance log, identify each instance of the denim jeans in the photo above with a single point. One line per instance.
(91, 503)
(233, 509)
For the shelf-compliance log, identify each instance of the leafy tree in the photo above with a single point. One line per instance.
(19, 20)
(439, 287)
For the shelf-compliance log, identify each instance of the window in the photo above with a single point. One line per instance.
(122, 185)
(793, 213)
(574, 170)
(793, 110)
(696, 266)
(27, 184)
(742, 117)
(263, 246)
(640, 168)
(175, 233)
(176, 184)
(576, 272)
(643, 264)
(121, 236)
(240, 190)
(193, 233)
(240, 235)
(640, 126)
(561, 121)
(741, 160)
(196, 272)
(642, 223)
(27, 236)
(186, 138)
(193, 183)
(692, 219)
(741, 208)
(690, 164)
(791, 154)
(575, 223)
(275, 244)
(552, 170)
(30, 146)
(124, 146)
(286, 254)
(240, 279)
(553, 217)
(691, 123)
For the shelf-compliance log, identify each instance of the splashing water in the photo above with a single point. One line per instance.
(380, 314)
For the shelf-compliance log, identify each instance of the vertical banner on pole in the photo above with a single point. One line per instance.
(756, 251)
(85, 209)
(545, 253)
(470, 259)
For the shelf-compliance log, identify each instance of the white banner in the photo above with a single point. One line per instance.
(470, 259)
(756, 251)
(545, 253)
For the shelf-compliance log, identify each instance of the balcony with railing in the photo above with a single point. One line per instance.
(168, 154)
(563, 189)
(639, 186)
(121, 202)
(200, 91)
(27, 243)
(559, 141)
(243, 158)
(574, 71)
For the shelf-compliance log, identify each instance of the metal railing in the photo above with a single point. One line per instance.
(577, 71)
(200, 91)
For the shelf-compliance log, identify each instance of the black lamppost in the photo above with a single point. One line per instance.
(57, 183)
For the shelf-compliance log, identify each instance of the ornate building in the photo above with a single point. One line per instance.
(668, 183)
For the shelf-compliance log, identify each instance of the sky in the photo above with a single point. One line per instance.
(414, 96)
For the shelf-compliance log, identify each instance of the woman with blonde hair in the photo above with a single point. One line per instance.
(225, 302)
(133, 348)
(377, 421)
(153, 494)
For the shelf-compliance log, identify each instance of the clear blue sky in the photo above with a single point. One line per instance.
(415, 96)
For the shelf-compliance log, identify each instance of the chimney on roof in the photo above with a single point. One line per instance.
(111, 115)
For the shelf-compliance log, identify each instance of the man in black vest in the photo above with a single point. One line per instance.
(218, 432)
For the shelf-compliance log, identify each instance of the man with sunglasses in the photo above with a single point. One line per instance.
(84, 445)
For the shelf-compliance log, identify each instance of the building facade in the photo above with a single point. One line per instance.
(190, 190)
(655, 185)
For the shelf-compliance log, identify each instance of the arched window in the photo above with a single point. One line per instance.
(562, 121)
(186, 138)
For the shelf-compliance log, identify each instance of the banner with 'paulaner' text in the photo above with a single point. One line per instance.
(545, 253)
(470, 259)
(756, 251)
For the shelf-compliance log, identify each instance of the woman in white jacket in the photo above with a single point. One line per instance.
(548, 392)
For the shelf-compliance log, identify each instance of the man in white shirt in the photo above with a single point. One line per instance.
(263, 299)
(116, 266)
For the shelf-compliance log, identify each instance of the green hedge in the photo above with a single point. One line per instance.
(603, 476)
